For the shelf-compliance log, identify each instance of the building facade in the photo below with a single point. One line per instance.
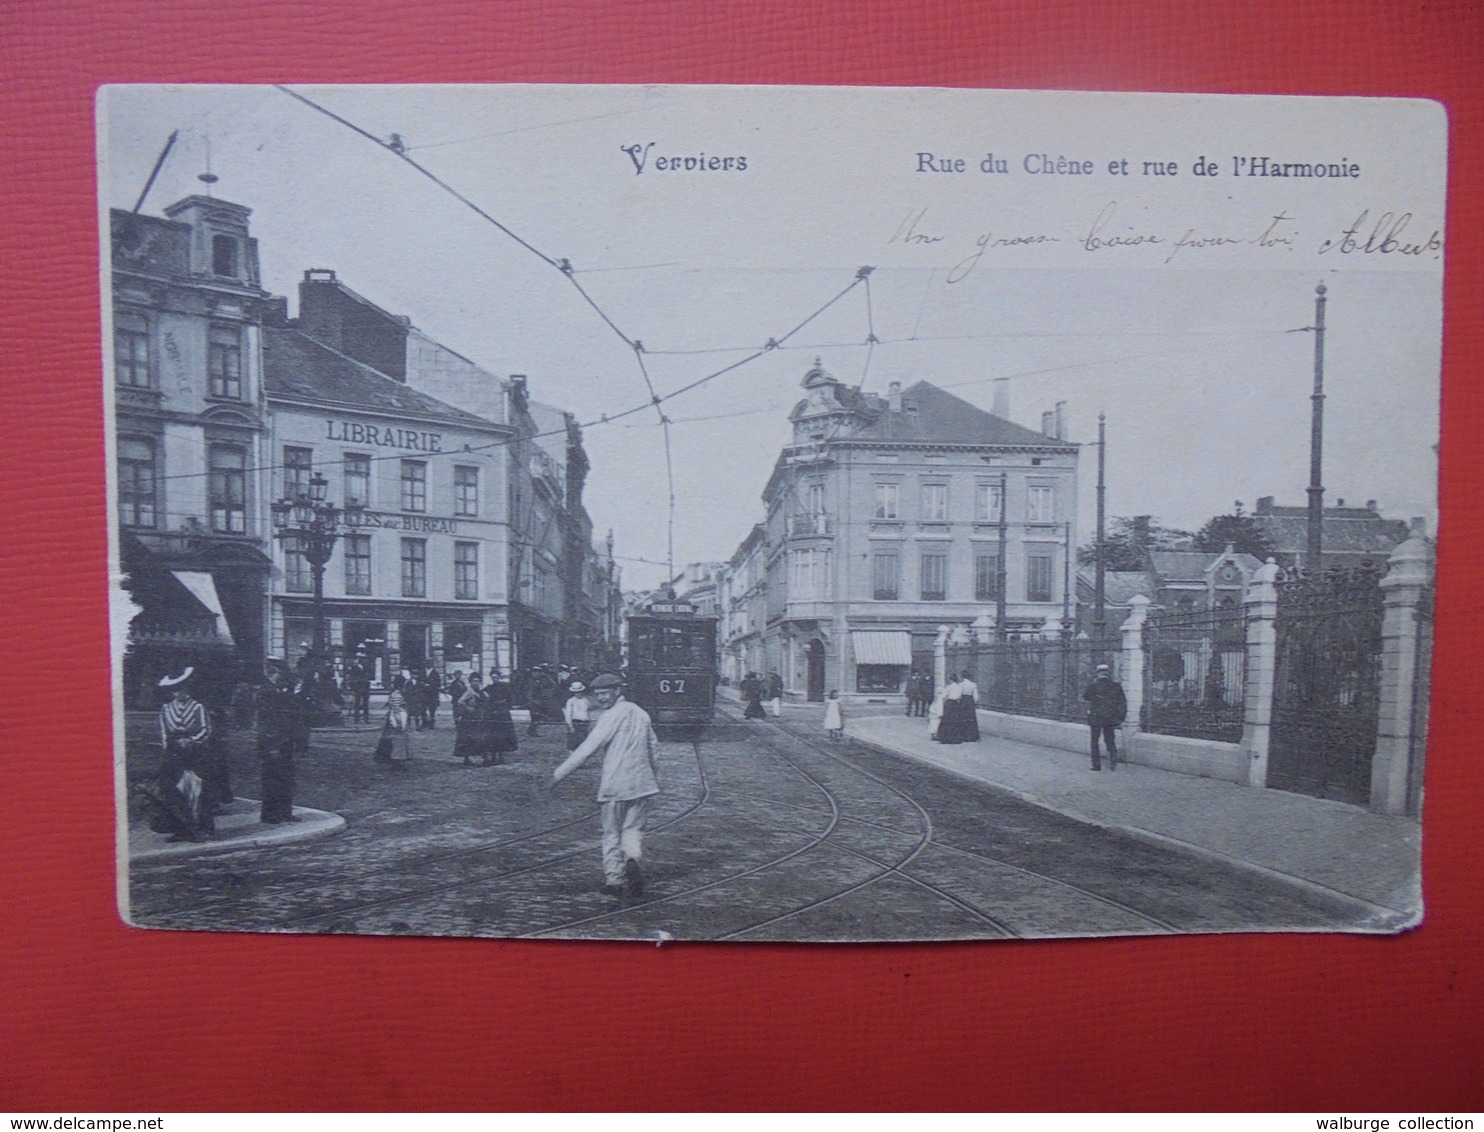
(889, 516)
(418, 577)
(185, 313)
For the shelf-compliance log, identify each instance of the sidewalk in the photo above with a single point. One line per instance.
(1373, 858)
(237, 827)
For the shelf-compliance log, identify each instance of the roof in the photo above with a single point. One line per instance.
(1118, 585)
(295, 365)
(942, 418)
(1364, 534)
(1191, 565)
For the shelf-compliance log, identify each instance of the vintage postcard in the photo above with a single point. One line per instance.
(767, 513)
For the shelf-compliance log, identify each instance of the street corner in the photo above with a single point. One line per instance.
(237, 827)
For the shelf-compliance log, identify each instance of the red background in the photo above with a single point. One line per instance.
(94, 1015)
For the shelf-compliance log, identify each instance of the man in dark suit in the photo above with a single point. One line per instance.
(1107, 707)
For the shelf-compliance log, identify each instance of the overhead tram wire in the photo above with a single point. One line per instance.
(564, 266)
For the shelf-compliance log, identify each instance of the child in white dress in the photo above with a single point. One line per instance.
(834, 717)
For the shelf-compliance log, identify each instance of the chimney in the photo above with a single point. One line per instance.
(1265, 505)
(894, 396)
(1370, 504)
(320, 315)
(1061, 420)
(1048, 423)
(1001, 407)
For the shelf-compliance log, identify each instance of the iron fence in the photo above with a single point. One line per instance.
(1195, 673)
(1036, 677)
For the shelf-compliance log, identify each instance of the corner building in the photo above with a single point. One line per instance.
(418, 579)
(890, 516)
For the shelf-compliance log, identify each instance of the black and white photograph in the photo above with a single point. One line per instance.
(770, 513)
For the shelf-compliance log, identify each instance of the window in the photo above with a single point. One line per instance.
(358, 564)
(414, 567)
(131, 350)
(465, 490)
(934, 577)
(227, 481)
(934, 501)
(1038, 577)
(298, 466)
(814, 499)
(989, 502)
(224, 361)
(886, 500)
(1040, 504)
(810, 575)
(357, 467)
(414, 485)
(224, 256)
(986, 577)
(885, 576)
(466, 571)
(296, 577)
(136, 482)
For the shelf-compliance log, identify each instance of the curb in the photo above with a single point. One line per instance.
(242, 831)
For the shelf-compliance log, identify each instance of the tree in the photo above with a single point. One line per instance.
(1238, 531)
(1128, 540)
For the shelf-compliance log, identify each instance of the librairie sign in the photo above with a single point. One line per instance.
(384, 436)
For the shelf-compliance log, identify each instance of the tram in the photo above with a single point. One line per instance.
(671, 670)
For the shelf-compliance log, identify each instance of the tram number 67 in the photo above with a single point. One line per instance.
(668, 686)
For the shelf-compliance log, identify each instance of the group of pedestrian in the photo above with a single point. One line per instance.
(758, 690)
(919, 691)
(953, 714)
(484, 731)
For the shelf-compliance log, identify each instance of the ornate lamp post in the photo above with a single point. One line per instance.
(309, 525)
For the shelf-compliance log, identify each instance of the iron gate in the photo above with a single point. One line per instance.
(1326, 692)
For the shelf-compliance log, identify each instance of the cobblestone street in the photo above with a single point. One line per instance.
(764, 831)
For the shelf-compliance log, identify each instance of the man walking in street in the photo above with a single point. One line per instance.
(1107, 707)
(359, 682)
(283, 730)
(626, 736)
(775, 694)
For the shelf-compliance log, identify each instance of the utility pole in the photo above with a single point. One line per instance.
(1314, 556)
(1001, 573)
(1100, 609)
(1066, 580)
(155, 172)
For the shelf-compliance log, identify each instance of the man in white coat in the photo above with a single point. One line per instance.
(628, 784)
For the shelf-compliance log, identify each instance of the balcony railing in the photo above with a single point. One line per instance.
(807, 524)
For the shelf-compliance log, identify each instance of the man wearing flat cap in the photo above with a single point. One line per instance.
(629, 782)
(1107, 707)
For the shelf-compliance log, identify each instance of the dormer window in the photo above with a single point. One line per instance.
(224, 258)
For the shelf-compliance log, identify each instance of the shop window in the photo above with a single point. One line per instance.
(878, 677)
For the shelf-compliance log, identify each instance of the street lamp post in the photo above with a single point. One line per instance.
(309, 525)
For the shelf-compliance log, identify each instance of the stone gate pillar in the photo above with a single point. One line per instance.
(940, 659)
(1411, 569)
(1133, 663)
(1262, 669)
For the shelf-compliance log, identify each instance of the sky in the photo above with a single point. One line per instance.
(1196, 354)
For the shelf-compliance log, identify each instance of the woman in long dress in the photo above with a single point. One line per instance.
(969, 699)
(752, 692)
(500, 738)
(951, 730)
(182, 804)
(468, 721)
(398, 727)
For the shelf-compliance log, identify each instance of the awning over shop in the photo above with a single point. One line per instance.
(203, 589)
(876, 646)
